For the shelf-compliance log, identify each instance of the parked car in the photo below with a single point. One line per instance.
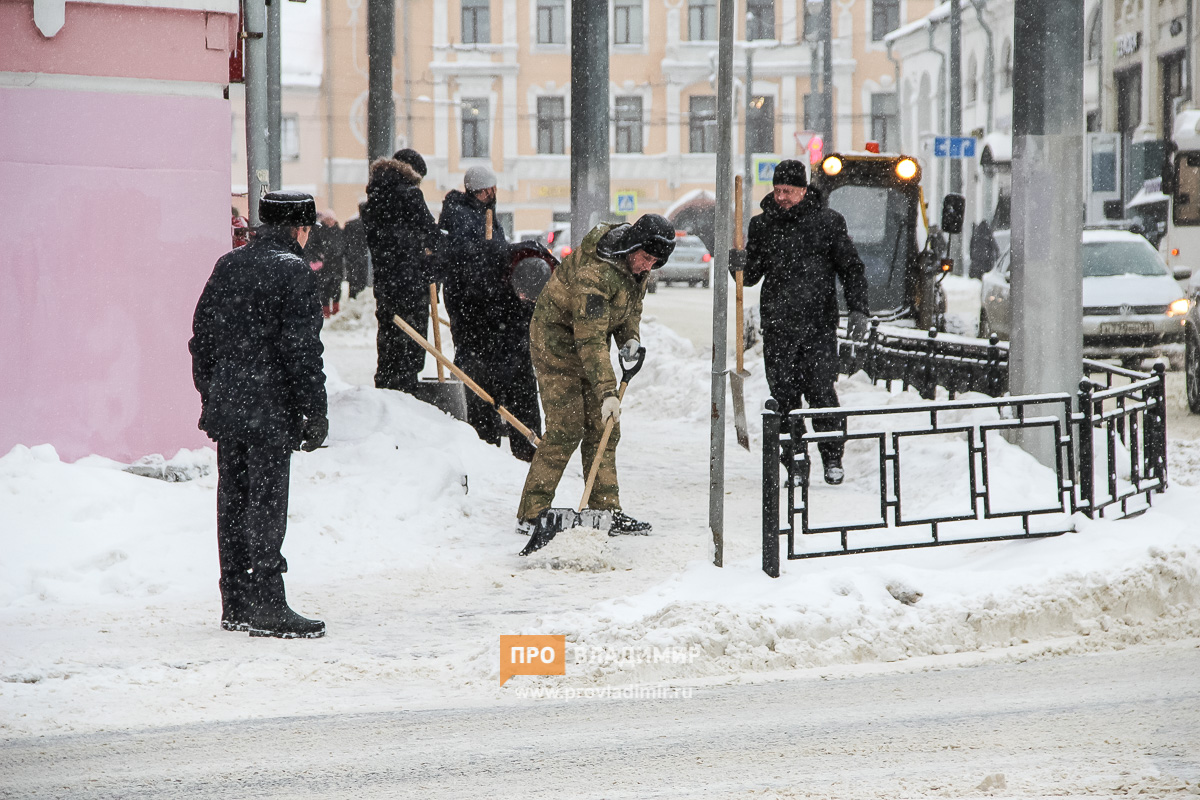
(690, 263)
(558, 239)
(1133, 308)
(1191, 358)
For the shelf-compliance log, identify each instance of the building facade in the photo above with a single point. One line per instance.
(114, 158)
(488, 82)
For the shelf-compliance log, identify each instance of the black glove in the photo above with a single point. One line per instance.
(313, 433)
(857, 326)
(737, 262)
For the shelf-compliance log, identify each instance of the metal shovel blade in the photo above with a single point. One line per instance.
(737, 385)
(553, 521)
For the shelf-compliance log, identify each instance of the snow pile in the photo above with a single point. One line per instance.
(577, 550)
(355, 314)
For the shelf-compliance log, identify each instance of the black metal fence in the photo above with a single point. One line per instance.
(1110, 452)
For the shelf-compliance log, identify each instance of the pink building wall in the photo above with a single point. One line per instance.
(115, 205)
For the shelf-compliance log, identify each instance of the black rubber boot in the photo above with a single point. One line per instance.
(235, 601)
(271, 615)
(623, 524)
(834, 474)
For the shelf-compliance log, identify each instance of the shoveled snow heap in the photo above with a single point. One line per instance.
(401, 538)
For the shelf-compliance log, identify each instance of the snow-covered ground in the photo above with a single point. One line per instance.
(401, 538)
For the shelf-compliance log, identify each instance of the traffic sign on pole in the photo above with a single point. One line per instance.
(625, 203)
(764, 170)
(954, 146)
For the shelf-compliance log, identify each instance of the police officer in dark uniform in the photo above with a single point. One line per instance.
(256, 361)
(800, 250)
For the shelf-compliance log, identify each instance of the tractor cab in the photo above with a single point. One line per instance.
(880, 196)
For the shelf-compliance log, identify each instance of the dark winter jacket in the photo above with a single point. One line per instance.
(256, 346)
(355, 253)
(399, 228)
(485, 313)
(324, 254)
(800, 254)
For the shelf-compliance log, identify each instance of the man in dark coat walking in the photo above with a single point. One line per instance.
(402, 236)
(256, 361)
(356, 255)
(489, 322)
(800, 250)
(324, 254)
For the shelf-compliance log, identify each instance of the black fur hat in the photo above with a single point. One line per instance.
(289, 209)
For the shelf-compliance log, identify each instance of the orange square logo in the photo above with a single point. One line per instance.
(532, 655)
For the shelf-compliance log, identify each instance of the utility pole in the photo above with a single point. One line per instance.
(589, 117)
(724, 241)
(408, 117)
(1047, 207)
(827, 74)
(381, 49)
(748, 167)
(258, 175)
(274, 93)
(956, 183)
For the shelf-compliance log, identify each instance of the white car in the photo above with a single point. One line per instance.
(1133, 308)
(689, 263)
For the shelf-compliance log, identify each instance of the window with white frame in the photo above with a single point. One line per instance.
(885, 18)
(760, 19)
(289, 137)
(702, 123)
(474, 142)
(702, 20)
(551, 21)
(476, 21)
(628, 124)
(885, 121)
(627, 22)
(551, 126)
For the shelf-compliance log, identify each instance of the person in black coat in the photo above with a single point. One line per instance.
(256, 361)
(489, 322)
(402, 237)
(356, 255)
(324, 254)
(800, 250)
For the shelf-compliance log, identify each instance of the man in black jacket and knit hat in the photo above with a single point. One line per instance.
(402, 237)
(489, 322)
(256, 361)
(800, 250)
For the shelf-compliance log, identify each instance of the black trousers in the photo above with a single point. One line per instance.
(252, 506)
(513, 385)
(399, 359)
(802, 365)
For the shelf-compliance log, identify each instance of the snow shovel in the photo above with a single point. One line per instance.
(553, 520)
(466, 379)
(737, 379)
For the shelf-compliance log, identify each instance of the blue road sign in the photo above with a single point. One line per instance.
(764, 170)
(954, 146)
(626, 202)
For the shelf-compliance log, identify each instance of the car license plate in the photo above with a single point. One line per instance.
(1126, 327)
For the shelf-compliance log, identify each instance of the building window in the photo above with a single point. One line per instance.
(972, 79)
(551, 22)
(476, 22)
(289, 137)
(760, 125)
(475, 128)
(702, 20)
(627, 22)
(885, 18)
(702, 123)
(1171, 69)
(885, 122)
(760, 19)
(551, 126)
(1006, 69)
(629, 124)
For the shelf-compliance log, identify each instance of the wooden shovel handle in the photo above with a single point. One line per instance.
(437, 330)
(608, 429)
(487, 228)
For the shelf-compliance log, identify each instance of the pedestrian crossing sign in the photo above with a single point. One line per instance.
(764, 170)
(626, 203)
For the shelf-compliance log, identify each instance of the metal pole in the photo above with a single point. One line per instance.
(589, 117)
(381, 48)
(827, 75)
(748, 167)
(258, 174)
(956, 90)
(327, 87)
(724, 237)
(274, 92)
(1047, 208)
(408, 115)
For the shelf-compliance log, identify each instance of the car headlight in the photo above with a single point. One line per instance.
(1179, 307)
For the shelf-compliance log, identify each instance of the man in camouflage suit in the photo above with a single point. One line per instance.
(595, 295)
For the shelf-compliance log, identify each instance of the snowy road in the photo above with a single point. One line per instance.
(1081, 725)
